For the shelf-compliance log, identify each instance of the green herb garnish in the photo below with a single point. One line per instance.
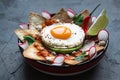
(78, 19)
(78, 58)
(29, 39)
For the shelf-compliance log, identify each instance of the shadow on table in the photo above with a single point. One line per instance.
(32, 74)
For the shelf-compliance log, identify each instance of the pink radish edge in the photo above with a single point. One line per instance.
(60, 62)
(24, 26)
(87, 46)
(71, 12)
(46, 14)
(94, 53)
(105, 31)
(23, 45)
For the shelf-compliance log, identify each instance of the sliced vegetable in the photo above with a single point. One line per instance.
(24, 26)
(29, 39)
(103, 35)
(87, 45)
(92, 52)
(64, 50)
(46, 14)
(71, 12)
(78, 58)
(23, 45)
(59, 59)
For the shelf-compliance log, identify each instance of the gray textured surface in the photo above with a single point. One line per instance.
(13, 12)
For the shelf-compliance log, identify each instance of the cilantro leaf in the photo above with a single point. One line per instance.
(78, 58)
(78, 19)
(29, 39)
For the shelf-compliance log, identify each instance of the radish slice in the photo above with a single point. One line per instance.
(71, 13)
(23, 45)
(24, 26)
(46, 14)
(92, 52)
(58, 61)
(103, 35)
(93, 19)
(87, 45)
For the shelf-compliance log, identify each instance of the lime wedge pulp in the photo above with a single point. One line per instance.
(100, 23)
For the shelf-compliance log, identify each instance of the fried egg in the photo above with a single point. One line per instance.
(62, 35)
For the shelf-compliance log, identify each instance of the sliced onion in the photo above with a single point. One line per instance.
(92, 52)
(71, 13)
(23, 45)
(58, 61)
(24, 26)
(87, 45)
(103, 35)
(46, 14)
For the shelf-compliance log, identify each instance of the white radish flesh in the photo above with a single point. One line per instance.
(58, 61)
(46, 14)
(71, 12)
(24, 26)
(23, 45)
(88, 45)
(92, 52)
(103, 35)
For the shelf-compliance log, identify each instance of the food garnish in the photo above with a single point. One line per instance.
(59, 60)
(46, 14)
(29, 39)
(71, 13)
(80, 57)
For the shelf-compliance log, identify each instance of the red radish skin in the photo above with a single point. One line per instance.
(103, 35)
(46, 14)
(87, 46)
(23, 45)
(24, 26)
(71, 12)
(59, 59)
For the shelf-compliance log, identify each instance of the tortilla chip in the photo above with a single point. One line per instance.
(32, 52)
(62, 16)
(99, 48)
(34, 33)
(85, 13)
(20, 33)
(35, 20)
(24, 32)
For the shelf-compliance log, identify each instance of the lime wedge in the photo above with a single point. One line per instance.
(100, 23)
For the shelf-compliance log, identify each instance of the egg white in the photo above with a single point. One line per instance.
(75, 39)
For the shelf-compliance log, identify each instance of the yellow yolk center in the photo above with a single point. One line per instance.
(61, 32)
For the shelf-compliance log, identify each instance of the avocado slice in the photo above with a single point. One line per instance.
(64, 50)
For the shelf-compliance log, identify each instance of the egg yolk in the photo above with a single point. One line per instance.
(61, 32)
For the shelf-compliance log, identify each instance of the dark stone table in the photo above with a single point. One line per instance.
(13, 12)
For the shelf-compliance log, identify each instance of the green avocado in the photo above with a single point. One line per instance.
(64, 51)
